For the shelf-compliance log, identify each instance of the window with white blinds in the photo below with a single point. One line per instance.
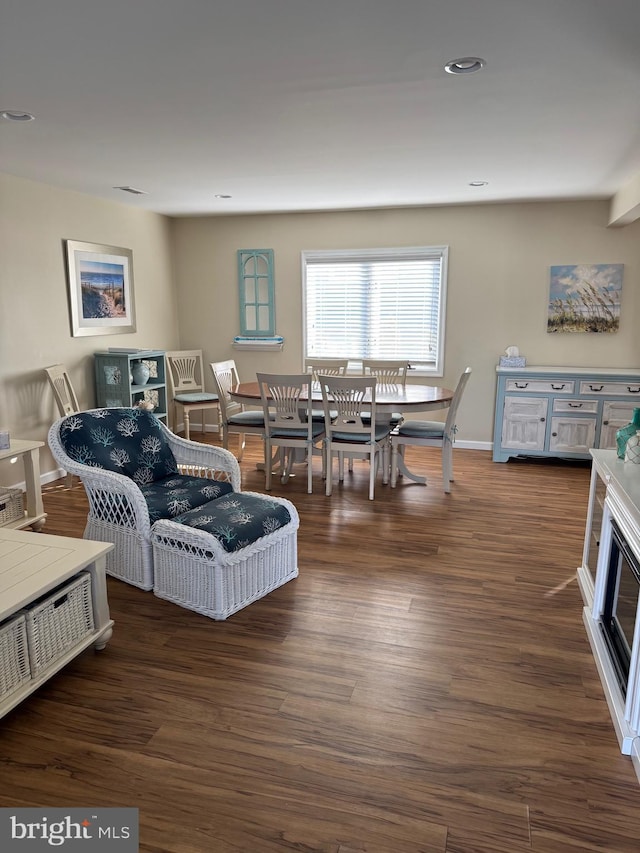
(376, 303)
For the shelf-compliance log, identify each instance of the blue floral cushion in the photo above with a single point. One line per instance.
(238, 519)
(178, 493)
(127, 441)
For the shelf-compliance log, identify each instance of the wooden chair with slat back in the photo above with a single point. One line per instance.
(234, 419)
(387, 372)
(326, 366)
(289, 425)
(430, 434)
(63, 394)
(348, 432)
(186, 383)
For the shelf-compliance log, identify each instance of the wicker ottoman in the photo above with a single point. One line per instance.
(226, 554)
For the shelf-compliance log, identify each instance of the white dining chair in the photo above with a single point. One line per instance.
(63, 392)
(64, 395)
(289, 424)
(429, 434)
(346, 401)
(234, 419)
(387, 371)
(326, 366)
(186, 383)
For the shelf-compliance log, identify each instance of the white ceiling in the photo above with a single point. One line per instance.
(291, 105)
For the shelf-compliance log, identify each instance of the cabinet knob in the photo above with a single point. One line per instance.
(554, 434)
(542, 420)
(606, 423)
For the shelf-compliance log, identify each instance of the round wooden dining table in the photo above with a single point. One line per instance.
(389, 398)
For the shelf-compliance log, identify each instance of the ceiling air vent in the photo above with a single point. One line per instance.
(132, 190)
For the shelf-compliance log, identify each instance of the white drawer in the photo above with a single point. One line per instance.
(613, 389)
(540, 386)
(586, 406)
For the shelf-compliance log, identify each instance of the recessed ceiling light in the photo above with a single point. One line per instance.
(466, 65)
(16, 115)
(478, 183)
(221, 195)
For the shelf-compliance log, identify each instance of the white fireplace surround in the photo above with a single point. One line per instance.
(622, 504)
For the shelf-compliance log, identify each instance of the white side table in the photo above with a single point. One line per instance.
(29, 451)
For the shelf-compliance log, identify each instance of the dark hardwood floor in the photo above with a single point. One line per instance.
(426, 684)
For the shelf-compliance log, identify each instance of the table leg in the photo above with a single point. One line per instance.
(398, 465)
(35, 506)
(101, 616)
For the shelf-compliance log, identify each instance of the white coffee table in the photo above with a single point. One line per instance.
(33, 564)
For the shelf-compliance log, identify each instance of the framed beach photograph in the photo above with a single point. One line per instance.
(585, 298)
(100, 289)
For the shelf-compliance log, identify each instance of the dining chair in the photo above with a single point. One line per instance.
(430, 434)
(349, 433)
(289, 424)
(63, 392)
(234, 419)
(387, 372)
(64, 395)
(186, 386)
(326, 366)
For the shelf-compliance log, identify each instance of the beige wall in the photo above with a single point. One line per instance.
(35, 332)
(186, 288)
(499, 259)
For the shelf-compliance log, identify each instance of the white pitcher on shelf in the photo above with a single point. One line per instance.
(632, 450)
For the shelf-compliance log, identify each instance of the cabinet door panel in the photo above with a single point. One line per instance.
(615, 414)
(572, 435)
(524, 423)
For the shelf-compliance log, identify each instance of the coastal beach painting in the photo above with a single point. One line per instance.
(100, 289)
(585, 298)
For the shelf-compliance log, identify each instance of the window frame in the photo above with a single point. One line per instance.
(406, 252)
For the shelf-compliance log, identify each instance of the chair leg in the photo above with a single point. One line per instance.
(241, 443)
(394, 464)
(185, 418)
(268, 465)
(329, 472)
(373, 456)
(447, 464)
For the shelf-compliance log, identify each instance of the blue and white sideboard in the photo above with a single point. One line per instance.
(561, 411)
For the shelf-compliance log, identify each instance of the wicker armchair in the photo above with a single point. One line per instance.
(136, 471)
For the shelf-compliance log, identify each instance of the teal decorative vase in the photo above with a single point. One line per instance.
(624, 433)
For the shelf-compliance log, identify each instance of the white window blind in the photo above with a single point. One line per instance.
(379, 303)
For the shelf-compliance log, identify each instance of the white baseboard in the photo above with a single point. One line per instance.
(207, 427)
(473, 445)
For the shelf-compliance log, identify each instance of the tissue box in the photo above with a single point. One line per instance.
(513, 361)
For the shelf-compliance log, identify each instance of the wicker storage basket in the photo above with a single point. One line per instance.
(59, 622)
(14, 655)
(11, 505)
